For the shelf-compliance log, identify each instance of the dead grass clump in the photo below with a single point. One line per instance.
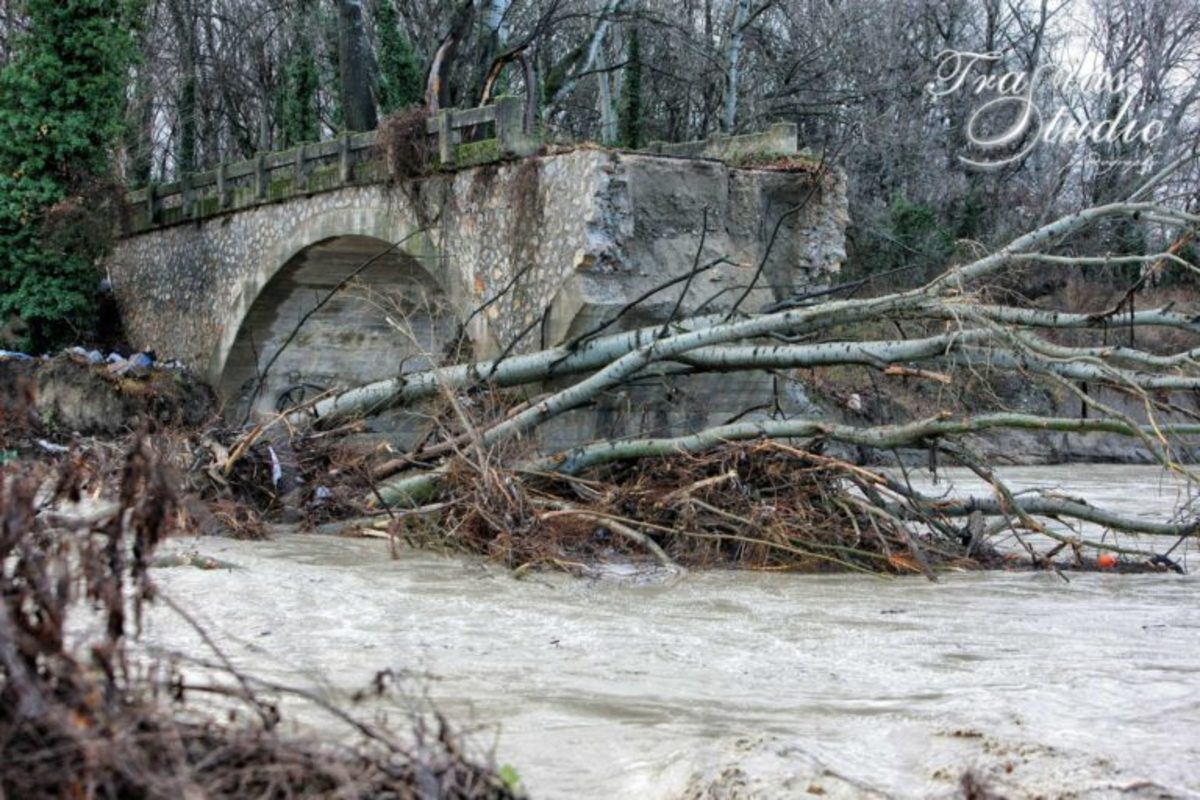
(407, 149)
(238, 520)
(761, 506)
(79, 721)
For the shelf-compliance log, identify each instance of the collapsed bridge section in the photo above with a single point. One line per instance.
(503, 257)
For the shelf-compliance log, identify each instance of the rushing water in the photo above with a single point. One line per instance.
(784, 685)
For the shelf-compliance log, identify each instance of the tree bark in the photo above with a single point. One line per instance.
(437, 87)
(355, 68)
(582, 60)
(183, 19)
(733, 55)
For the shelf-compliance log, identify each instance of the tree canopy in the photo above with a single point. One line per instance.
(222, 80)
(61, 104)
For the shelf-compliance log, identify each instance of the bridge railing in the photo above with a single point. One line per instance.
(317, 167)
(304, 169)
(506, 115)
(356, 159)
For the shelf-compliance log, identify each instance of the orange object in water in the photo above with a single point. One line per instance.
(1106, 561)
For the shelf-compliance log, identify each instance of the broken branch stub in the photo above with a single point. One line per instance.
(964, 338)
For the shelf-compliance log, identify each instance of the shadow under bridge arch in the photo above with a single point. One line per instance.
(390, 318)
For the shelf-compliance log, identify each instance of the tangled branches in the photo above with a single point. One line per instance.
(952, 333)
(87, 722)
(763, 505)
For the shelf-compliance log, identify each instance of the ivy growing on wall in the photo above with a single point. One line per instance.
(630, 117)
(61, 101)
(400, 76)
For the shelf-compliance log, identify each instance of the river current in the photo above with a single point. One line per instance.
(736, 684)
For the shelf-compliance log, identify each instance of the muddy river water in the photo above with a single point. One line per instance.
(728, 684)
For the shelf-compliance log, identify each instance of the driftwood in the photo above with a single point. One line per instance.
(963, 331)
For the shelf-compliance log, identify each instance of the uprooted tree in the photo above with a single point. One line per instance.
(475, 476)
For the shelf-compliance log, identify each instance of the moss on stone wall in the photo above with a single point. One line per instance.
(324, 178)
(208, 206)
(243, 193)
(280, 188)
(472, 153)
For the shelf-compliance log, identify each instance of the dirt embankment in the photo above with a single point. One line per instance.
(71, 396)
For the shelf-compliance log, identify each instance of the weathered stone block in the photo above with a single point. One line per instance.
(528, 253)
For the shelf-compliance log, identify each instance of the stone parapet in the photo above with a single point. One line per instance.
(778, 140)
(524, 254)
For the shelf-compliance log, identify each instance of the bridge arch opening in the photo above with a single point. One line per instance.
(392, 317)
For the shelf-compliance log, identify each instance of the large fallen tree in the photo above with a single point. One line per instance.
(962, 331)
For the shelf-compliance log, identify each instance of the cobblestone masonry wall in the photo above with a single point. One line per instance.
(577, 235)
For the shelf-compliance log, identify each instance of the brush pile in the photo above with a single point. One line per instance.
(764, 506)
(697, 431)
(84, 720)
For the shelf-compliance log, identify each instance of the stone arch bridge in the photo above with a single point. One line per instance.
(219, 270)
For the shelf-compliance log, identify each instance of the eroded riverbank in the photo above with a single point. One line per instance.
(847, 684)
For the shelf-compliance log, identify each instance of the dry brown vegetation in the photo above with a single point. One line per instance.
(931, 372)
(764, 506)
(86, 721)
(407, 149)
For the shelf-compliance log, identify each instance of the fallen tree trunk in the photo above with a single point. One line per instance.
(961, 333)
(418, 487)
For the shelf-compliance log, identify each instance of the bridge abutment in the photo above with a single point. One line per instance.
(527, 253)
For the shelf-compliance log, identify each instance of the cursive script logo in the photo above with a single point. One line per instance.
(1006, 128)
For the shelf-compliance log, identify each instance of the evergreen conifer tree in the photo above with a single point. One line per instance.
(629, 114)
(61, 106)
(400, 83)
(301, 82)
